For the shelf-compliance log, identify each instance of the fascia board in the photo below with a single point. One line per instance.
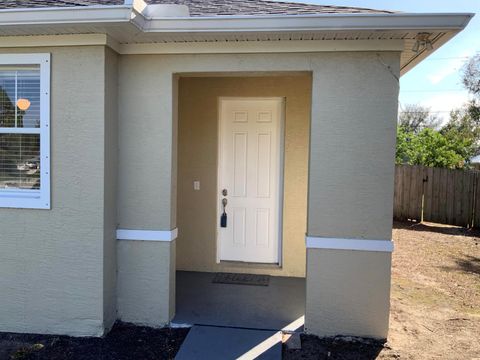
(317, 22)
(331, 22)
(67, 15)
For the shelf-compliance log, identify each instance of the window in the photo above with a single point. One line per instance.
(24, 131)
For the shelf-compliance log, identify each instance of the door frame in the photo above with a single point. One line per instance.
(281, 169)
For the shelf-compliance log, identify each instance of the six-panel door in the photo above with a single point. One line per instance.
(249, 171)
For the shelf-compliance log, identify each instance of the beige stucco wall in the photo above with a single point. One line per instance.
(146, 172)
(197, 160)
(348, 293)
(52, 270)
(353, 147)
(354, 104)
(146, 190)
(344, 83)
(351, 194)
(110, 188)
(57, 265)
(146, 282)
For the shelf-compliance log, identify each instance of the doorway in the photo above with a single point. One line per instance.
(281, 107)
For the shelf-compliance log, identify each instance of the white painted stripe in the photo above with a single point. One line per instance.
(314, 242)
(147, 235)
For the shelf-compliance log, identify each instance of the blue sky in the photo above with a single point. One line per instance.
(436, 82)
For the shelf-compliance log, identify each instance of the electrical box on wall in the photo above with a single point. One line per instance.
(196, 185)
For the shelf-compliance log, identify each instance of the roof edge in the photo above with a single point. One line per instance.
(133, 13)
(333, 22)
(129, 15)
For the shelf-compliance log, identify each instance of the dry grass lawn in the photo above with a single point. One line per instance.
(435, 303)
(435, 300)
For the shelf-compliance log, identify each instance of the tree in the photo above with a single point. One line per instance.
(471, 75)
(471, 81)
(421, 141)
(464, 124)
(430, 147)
(415, 118)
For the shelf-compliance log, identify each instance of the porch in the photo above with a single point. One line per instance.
(324, 143)
(199, 301)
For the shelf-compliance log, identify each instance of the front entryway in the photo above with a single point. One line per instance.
(254, 131)
(250, 179)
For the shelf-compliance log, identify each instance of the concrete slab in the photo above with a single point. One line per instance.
(273, 307)
(209, 342)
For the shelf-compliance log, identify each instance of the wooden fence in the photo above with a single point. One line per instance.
(438, 195)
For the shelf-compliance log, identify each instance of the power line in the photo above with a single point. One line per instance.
(427, 91)
(448, 58)
(436, 111)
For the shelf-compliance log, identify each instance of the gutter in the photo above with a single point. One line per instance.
(66, 15)
(320, 22)
(132, 13)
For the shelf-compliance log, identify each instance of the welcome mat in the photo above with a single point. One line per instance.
(241, 279)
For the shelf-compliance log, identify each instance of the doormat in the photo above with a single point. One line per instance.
(241, 279)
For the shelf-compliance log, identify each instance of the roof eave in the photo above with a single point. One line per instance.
(333, 22)
(322, 22)
(129, 15)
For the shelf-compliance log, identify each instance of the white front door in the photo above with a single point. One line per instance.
(249, 171)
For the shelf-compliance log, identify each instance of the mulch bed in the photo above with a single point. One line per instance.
(123, 342)
(336, 348)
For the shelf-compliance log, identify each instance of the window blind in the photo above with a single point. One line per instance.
(20, 128)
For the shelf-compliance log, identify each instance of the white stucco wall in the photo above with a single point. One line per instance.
(52, 269)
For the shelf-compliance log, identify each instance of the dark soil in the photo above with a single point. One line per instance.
(123, 342)
(338, 348)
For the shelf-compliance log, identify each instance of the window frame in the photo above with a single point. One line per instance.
(26, 198)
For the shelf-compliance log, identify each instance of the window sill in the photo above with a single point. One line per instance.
(23, 199)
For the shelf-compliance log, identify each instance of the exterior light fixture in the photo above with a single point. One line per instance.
(23, 104)
(422, 42)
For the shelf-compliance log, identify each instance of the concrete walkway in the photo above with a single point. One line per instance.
(222, 343)
(237, 321)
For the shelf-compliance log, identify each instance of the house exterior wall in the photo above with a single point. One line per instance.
(52, 262)
(57, 265)
(351, 176)
(110, 188)
(147, 191)
(146, 282)
(354, 106)
(197, 160)
(357, 108)
(348, 293)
